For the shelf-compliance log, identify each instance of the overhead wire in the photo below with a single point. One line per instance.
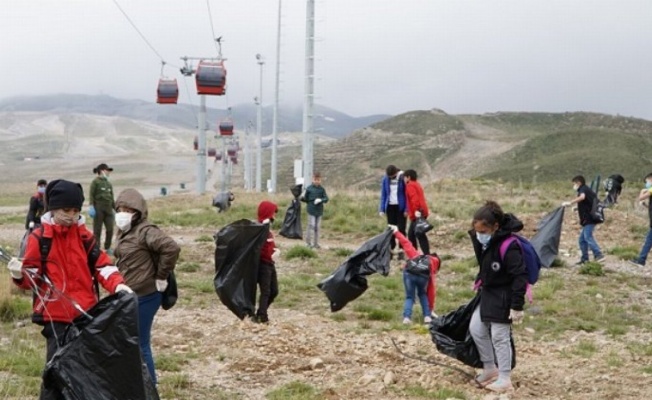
(210, 18)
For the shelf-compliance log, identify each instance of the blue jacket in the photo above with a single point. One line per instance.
(384, 194)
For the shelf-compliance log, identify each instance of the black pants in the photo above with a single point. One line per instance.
(54, 336)
(104, 215)
(268, 284)
(422, 238)
(395, 217)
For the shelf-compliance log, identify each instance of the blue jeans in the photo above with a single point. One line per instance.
(147, 307)
(419, 284)
(587, 241)
(646, 248)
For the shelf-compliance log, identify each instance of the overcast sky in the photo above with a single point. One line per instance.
(373, 56)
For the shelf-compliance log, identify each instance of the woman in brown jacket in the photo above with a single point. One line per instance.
(145, 258)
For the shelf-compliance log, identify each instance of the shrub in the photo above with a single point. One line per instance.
(302, 252)
(592, 269)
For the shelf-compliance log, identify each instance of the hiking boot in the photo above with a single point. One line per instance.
(636, 263)
(427, 320)
(601, 259)
(485, 378)
(500, 386)
(407, 321)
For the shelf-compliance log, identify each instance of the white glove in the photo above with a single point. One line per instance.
(417, 214)
(31, 225)
(303, 195)
(382, 214)
(317, 201)
(161, 285)
(516, 316)
(123, 288)
(394, 228)
(276, 254)
(265, 221)
(15, 267)
(566, 204)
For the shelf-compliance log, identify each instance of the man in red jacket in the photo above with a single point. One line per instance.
(267, 280)
(416, 208)
(62, 284)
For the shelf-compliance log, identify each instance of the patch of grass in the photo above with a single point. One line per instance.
(339, 317)
(199, 285)
(14, 308)
(171, 362)
(442, 393)
(647, 369)
(294, 391)
(205, 238)
(174, 385)
(22, 356)
(614, 360)
(460, 236)
(558, 263)
(342, 252)
(592, 269)
(624, 253)
(302, 252)
(639, 231)
(188, 267)
(640, 349)
(585, 349)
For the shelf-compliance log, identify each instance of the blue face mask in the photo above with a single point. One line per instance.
(648, 185)
(483, 238)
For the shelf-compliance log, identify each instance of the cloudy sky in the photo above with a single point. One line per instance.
(373, 56)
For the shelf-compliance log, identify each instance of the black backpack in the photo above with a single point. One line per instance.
(419, 265)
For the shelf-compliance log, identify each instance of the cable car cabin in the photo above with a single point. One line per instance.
(210, 78)
(218, 157)
(231, 152)
(212, 152)
(167, 92)
(195, 143)
(226, 128)
(234, 160)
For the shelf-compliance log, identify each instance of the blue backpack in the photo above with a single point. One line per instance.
(530, 258)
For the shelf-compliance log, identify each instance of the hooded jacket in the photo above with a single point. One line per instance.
(503, 281)
(67, 270)
(267, 210)
(385, 191)
(144, 252)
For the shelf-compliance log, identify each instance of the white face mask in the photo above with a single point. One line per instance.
(123, 220)
(483, 238)
(576, 186)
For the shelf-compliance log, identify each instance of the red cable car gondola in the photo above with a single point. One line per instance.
(218, 157)
(231, 152)
(210, 78)
(212, 151)
(234, 160)
(167, 92)
(226, 127)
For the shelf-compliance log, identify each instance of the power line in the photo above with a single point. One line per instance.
(141, 34)
(210, 18)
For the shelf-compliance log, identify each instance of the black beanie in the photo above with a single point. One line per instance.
(64, 194)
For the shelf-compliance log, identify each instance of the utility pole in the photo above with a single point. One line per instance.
(259, 126)
(201, 148)
(276, 95)
(247, 155)
(309, 99)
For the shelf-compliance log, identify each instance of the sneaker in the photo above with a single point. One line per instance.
(485, 378)
(601, 259)
(433, 315)
(500, 386)
(636, 263)
(316, 246)
(427, 320)
(407, 321)
(580, 263)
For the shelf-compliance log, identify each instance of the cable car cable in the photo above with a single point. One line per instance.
(215, 39)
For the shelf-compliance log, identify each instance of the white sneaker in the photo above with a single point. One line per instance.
(433, 315)
(407, 321)
(427, 320)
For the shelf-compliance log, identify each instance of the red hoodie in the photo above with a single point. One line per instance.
(411, 252)
(267, 210)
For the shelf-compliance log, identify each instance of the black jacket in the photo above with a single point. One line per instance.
(36, 210)
(503, 281)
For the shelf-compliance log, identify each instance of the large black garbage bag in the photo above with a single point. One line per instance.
(451, 335)
(296, 190)
(546, 240)
(291, 228)
(349, 280)
(101, 357)
(237, 256)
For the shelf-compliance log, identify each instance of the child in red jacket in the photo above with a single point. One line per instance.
(426, 288)
(267, 280)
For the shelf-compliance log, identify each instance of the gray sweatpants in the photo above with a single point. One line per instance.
(314, 223)
(490, 338)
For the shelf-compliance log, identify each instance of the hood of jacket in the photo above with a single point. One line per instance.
(132, 198)
(266, 210)
(510, 224)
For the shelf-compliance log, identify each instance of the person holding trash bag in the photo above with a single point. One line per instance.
(502, 283)
(145, 257)
(420, 276)
(267, 280)
(417, 207)
(643, 196)
(102, 205)
(61, 279)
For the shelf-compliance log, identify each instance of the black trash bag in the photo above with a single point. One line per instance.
(291, 228)
(546, 240)
(222, 201)
(422, 226)
(237, 256)
(296, 190)
(451, 335)
(613, 187)
(101, 357)
(348, 281)
(23, 244)
(170, 294)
